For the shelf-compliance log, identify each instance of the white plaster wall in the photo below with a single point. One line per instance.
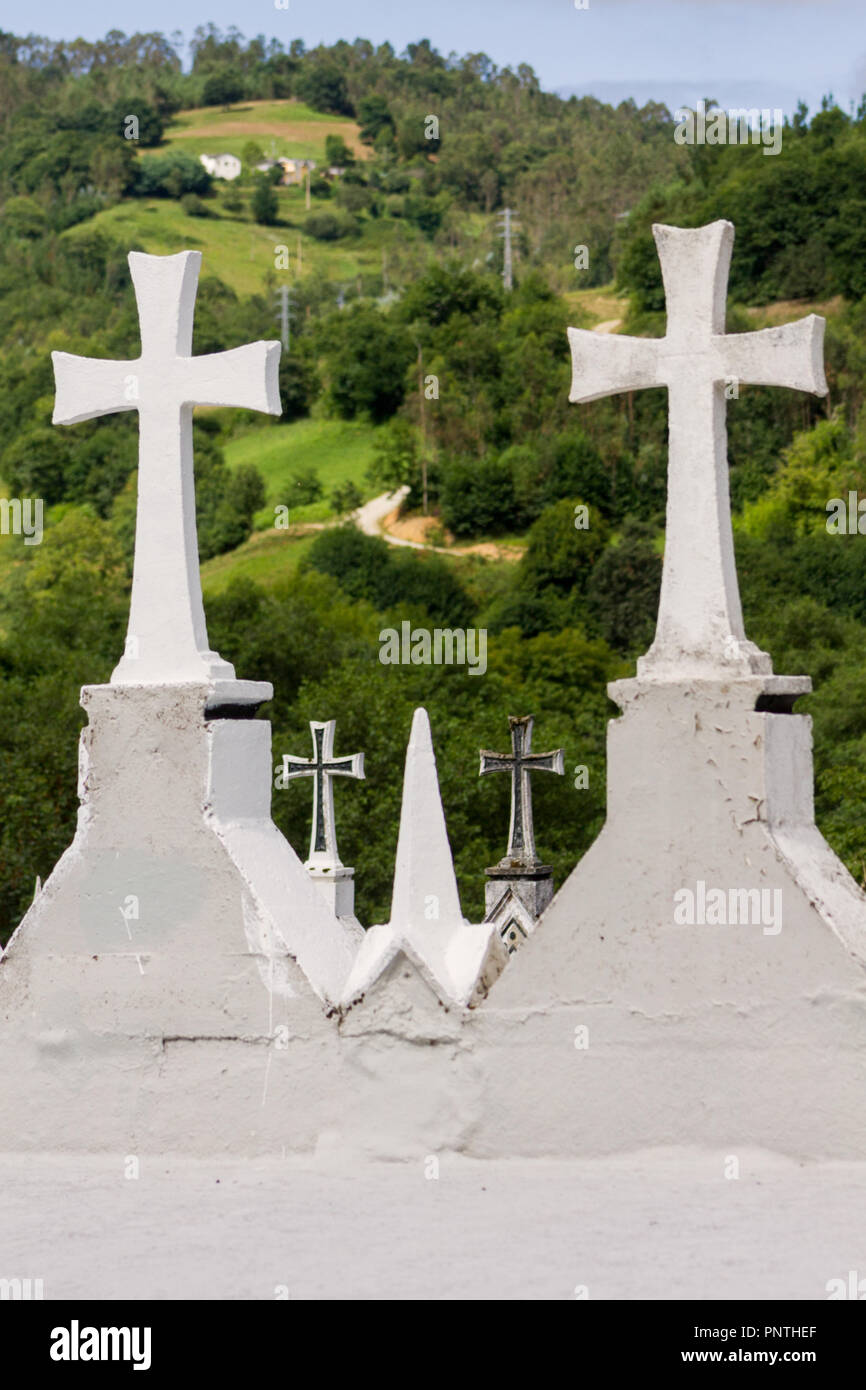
(714, 1036)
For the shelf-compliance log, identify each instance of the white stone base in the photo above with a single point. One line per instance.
(336, 888)
(722, 1035)
(179, 919)
(612, 1029)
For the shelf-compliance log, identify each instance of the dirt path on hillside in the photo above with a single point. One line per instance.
(381, 517)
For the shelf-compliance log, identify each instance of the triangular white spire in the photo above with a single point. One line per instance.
(424, 880)
(426, 923)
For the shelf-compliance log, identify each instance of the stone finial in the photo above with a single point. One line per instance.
(426, 923)
(167, 638)
(334, 881)
(323, 767)
(520, 763)
(700, 625)
(519, 887)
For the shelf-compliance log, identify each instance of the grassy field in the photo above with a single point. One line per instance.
(280, 127)
(239, 251)
(601, 304)
(338, 450)
(266, 557)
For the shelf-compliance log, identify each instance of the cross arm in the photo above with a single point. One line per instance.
(495, 762)
(603, 365)
(245, 377)
(546, 762)
(791, 355)
(350, 766)
(88, 386)
(294, 766)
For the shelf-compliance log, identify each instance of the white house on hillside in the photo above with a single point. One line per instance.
(222, 166)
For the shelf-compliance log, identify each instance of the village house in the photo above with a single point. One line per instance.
(294, 170)
(222, 166)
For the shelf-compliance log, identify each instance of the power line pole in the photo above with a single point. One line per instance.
(283, 296)
(423, 418)
(509, 222)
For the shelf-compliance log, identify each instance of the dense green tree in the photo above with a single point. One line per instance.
(374, 118)
(24, 217)
(622, 596)
(367, 568)
(222, 89)
(396, 455)
(345, 498)
(171, 175)
(321, 84)
(264, 204)
(477, 496)
(366, 357)
(337, 151)
(326, 226)
(299, 383)
(562, 551)
(306, 486)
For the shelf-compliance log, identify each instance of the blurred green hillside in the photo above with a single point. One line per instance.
(410, 364)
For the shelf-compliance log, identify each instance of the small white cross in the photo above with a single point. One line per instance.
(167, 638)
(323, 767)
(700, 622)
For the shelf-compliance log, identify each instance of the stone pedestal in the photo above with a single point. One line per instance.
(514, 899)
(533, 886)
(336, 888)
(639, 1029)
(178, 918)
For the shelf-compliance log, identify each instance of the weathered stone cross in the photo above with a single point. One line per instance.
(322, 768)
(521, 837)
(700, 624)
(167, 637)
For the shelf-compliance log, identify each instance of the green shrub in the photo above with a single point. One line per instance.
(194, 206)
(326, 226)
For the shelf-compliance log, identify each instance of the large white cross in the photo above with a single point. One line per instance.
(167, 638)
(700, 622)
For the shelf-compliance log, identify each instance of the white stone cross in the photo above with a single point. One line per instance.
(167, 638)
(322, 768)
(700, 623)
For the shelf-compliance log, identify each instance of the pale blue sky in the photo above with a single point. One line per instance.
(743, 52)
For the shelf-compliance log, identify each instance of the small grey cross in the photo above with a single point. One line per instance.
(521, 838)
(322, 768)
